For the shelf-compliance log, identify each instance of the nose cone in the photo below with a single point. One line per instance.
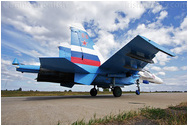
(159, 80)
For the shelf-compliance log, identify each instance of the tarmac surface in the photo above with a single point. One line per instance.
(47, 110)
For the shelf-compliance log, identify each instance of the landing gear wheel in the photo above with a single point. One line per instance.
(137, 92)
(138, 85)
(117, 91)
(93, 92)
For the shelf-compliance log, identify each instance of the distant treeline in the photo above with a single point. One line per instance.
(104, 90)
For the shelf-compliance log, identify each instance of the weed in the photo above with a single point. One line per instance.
(154, 115)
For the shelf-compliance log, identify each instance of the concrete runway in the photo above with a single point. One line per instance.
(68, 109)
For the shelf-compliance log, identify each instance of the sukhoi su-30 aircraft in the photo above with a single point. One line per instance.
(81, 64)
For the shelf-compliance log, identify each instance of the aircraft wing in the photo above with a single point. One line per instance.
(134, 56)
(61, 64)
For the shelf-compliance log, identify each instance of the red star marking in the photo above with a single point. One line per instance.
(86, 36)
(84, 43)
(82, 35)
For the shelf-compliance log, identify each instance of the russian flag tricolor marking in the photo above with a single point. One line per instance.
(85, 61)
(82, 55)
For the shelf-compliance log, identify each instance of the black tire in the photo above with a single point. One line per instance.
(137, 92)
(117, 92)
(93, 92)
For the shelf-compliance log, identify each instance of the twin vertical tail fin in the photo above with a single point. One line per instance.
(65, 51)
(82, 51)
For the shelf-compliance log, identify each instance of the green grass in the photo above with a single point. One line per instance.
(145, 116)
(43, 93)
(16, 93)
(153, 113)
(182, 106)
(107, 119)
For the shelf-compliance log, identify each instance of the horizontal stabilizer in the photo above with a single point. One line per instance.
(61, 65)
(28, 68)
(86, 79)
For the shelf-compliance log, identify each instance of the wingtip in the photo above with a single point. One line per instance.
(15, 62)
(162, 49)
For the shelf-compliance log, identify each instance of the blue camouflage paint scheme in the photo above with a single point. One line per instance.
(61, 65)
(124, 65)
(28, 68)
(65, 52)
(77, 39)
(15, 62)
(86, 56)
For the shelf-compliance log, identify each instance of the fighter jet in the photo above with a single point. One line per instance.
(80, 63)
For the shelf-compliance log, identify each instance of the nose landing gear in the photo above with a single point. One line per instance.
(138, 85)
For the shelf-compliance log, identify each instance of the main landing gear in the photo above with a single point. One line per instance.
(138, 91)
(93, 91)
(117, 92)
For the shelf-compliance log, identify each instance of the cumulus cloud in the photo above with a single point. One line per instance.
(176, 80)
(33, 19)
(156, 68)
(8, 72)
(184, 68)
(48, 22)
(48, 25)
(171, 68)
(161, 73)
(163, 14)
(157, 8)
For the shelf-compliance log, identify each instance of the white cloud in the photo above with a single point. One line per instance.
(161, 73)
(179, 49)
(183, 25)
(184, 68)
(156, 68)
(8, 72)
(36, 53)
(171, 68)
(157, 8)
(177, 80)
(18, 53)
(180, 38)
(162, 58)
(6, 62)
(106, 43)
(163, 14)
(48, 24)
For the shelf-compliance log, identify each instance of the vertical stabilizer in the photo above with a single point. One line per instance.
(65, 51)
(82, 51)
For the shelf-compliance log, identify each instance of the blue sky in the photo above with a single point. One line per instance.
(30, 30)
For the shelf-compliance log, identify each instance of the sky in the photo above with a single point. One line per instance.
(30, 30)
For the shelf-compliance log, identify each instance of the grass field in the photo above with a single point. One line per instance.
(173, 115)
(17, 93)
(44, 93)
